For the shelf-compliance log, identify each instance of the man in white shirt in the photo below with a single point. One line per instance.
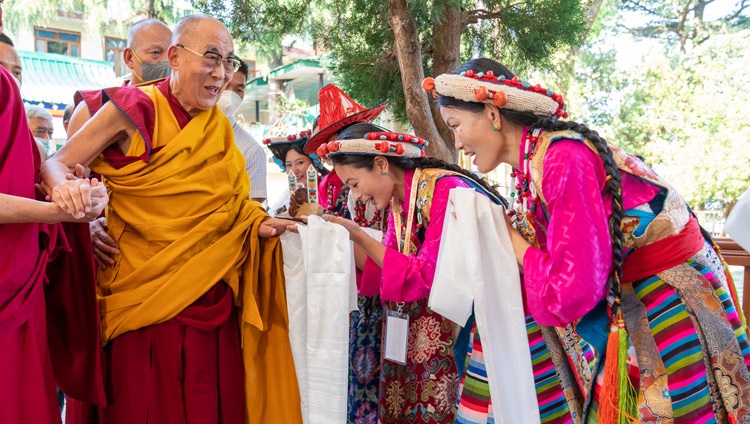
(252, 151)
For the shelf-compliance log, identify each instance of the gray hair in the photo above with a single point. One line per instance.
(142, 24)
(34, 112)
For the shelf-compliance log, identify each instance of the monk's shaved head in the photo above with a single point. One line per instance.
(136, 31)
(189, 27)
(201, 57)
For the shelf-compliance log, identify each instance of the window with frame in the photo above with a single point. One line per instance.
(113, 50)
(48, 40)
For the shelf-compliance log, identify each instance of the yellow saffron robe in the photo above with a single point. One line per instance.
(186, 222)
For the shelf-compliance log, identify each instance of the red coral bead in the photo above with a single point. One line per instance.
(428, 84)
(480, 93)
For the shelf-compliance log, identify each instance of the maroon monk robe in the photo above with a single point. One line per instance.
(27, 388)
(169, 372)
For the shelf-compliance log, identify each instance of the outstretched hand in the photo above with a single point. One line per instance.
(354, 229)
(272, 227)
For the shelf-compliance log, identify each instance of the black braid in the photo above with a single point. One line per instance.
(426, 162)
(613, 187)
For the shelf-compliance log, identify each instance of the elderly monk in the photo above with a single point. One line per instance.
(146, 56)
(28, 242)
(196, 294)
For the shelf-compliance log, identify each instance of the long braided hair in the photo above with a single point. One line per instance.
(613, 185)
(367, 161)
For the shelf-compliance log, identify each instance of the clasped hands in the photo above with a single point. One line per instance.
(82, 198)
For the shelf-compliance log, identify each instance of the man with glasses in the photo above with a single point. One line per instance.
(193, 246)
(146, 56)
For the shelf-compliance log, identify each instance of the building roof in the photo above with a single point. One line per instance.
(303, 77)
(53, 79)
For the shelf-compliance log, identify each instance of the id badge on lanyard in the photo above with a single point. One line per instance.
(396, 335)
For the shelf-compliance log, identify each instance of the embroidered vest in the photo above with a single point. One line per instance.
(670, 220)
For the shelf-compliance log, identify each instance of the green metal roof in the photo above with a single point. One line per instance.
(296, 69)
(53, 79)
(302, 76)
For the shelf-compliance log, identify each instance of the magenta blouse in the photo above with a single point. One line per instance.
(409, 278)
(567, 275)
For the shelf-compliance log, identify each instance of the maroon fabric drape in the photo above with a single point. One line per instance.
(186, 369)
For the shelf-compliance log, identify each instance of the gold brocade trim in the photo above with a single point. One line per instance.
(669, 221)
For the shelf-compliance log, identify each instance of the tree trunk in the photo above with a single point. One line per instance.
(151, 9)
(409, 56)
(569, 65)
(446, 48)
(274, 89)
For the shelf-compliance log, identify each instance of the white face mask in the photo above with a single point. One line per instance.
(229, 102)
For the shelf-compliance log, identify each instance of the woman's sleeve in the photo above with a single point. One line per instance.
(408, 278)
(567, 280)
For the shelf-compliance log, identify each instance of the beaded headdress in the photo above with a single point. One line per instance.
(485, 87)
(377, 144)
(337, 111)
(280, 146)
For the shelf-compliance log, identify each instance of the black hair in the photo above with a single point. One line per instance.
(279, 151)
(243, 68)
(356, 131)
(613, 185)
(5, 39)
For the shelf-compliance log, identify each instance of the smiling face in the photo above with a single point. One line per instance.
(474, 134)
(299, 164)
(370, 184)
(196, 82)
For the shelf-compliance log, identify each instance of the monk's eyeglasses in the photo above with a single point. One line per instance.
(211, 59)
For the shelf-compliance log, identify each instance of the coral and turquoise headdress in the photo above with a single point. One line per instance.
(280, 146)
(508, 93)
(377, 144)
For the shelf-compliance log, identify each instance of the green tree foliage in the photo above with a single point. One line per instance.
(681, 21)
(683, 110)
(436, 36)
(262, 24)
(97, 13)
(686, 115)
(522, 34)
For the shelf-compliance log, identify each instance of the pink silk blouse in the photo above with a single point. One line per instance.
(409, 278)
(567, 275)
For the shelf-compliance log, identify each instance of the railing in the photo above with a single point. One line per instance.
(735, 255)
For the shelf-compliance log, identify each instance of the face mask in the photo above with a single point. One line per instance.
(153, 71)
(43, 142)
(229, 102)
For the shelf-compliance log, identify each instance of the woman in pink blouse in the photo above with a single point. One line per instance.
(606, 246)
(390, 169)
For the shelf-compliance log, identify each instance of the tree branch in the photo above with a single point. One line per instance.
(638, 6)
(742, 7)
(474, 16)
